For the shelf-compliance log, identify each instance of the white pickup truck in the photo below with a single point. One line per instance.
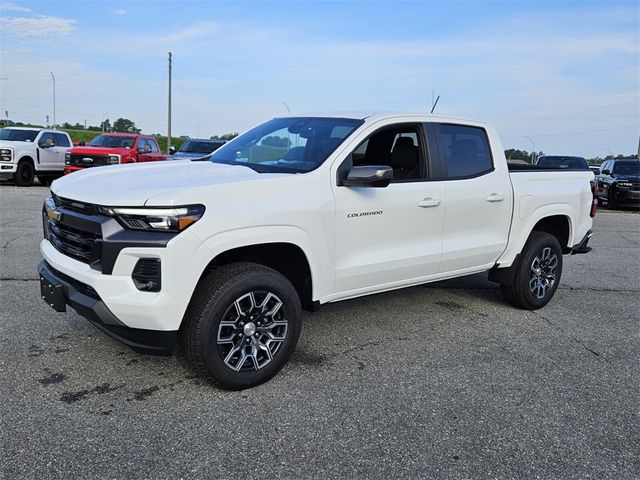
(27, 152)
(300, 211)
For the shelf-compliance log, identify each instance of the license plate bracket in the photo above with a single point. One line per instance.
(53, 294)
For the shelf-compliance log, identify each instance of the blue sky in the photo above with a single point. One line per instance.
(564, 74)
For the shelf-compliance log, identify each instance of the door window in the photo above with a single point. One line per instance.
(44, 139)
(466, 151)
(399, 148)
(153, 145)
(61, 140)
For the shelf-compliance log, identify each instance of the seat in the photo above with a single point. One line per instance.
(405, 159)
(464, 154)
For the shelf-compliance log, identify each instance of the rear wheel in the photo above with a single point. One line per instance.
(243, 325)
(537, 273)
(24, 174)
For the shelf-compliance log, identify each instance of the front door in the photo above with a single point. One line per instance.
(389, 236)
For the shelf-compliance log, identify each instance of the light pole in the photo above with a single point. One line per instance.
(104, 115)
(533, 151)
(54, 100)
(287, 107)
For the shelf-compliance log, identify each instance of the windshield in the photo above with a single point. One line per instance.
(289, 145)
(15, 135)
(627, 168)
(199, 146)
(563, 162)
(112, 141)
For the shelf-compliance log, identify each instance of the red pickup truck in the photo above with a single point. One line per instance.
(113, 149)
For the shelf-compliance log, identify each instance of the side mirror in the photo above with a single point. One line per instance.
(606, 172)
(369, 176)
(48, 143)
(172, 150)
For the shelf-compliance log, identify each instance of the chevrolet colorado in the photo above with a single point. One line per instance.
(298, 212)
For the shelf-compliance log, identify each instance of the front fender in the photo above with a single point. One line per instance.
(243, 237)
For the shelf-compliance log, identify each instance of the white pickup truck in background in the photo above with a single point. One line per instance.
(297, 212)
(29, 152)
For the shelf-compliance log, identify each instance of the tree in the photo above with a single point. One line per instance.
(124, 125)
(226, 136)
(514, 154)
(105, 126)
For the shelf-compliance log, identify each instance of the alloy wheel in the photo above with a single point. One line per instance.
(543, 272)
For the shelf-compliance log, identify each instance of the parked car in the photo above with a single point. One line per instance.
(595, 169)
(560, 161)
(29, 152)
(195, 148)
(619, 183)
(225, 253)
(113, 149)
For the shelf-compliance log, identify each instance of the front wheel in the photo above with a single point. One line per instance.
(242, 326)
(24, 174)
(537, 273)
(612, 202)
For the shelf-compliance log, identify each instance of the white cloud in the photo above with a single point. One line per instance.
(197, 30)
(119, 11)
(37, 27)
(7, 6)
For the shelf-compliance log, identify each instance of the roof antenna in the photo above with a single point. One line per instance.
(434, 104)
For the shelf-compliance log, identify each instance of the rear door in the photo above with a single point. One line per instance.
(478, 200)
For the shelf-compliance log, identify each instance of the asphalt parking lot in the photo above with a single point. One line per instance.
(440, 381)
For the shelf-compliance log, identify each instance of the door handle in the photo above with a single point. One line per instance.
(429, 202)
(495, 197)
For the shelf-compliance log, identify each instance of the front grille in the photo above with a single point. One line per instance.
(80, 160)
(75, 205)
(81, 245)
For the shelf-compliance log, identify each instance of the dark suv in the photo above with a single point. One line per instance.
(619, 183)
(560, 161)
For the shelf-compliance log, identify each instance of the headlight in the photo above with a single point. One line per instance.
(171, 219)
(5, 154)
(67, 158)
(625, 184)
(114, 159)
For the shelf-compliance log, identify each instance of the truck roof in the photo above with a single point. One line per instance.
(376, 116)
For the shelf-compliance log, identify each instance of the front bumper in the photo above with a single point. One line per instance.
(7, 169)
(60, 290)
(628, 197)
(70, 169)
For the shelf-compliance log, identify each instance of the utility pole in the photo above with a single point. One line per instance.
(169, 113)
(54, 100)
(533, 152)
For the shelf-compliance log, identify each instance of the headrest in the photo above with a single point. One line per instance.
(404, 154)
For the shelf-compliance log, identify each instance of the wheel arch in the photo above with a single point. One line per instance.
(287, 258)
(557, 225)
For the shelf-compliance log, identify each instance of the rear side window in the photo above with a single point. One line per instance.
(466, 151)
(61, 140)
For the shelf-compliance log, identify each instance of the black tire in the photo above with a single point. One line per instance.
(534, 281)
(612, 203)
(25, 174)
(46, 181)
(213, 339)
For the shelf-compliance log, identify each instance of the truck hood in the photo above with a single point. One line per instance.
(86, 150)
(135, 184)
(15, 145)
